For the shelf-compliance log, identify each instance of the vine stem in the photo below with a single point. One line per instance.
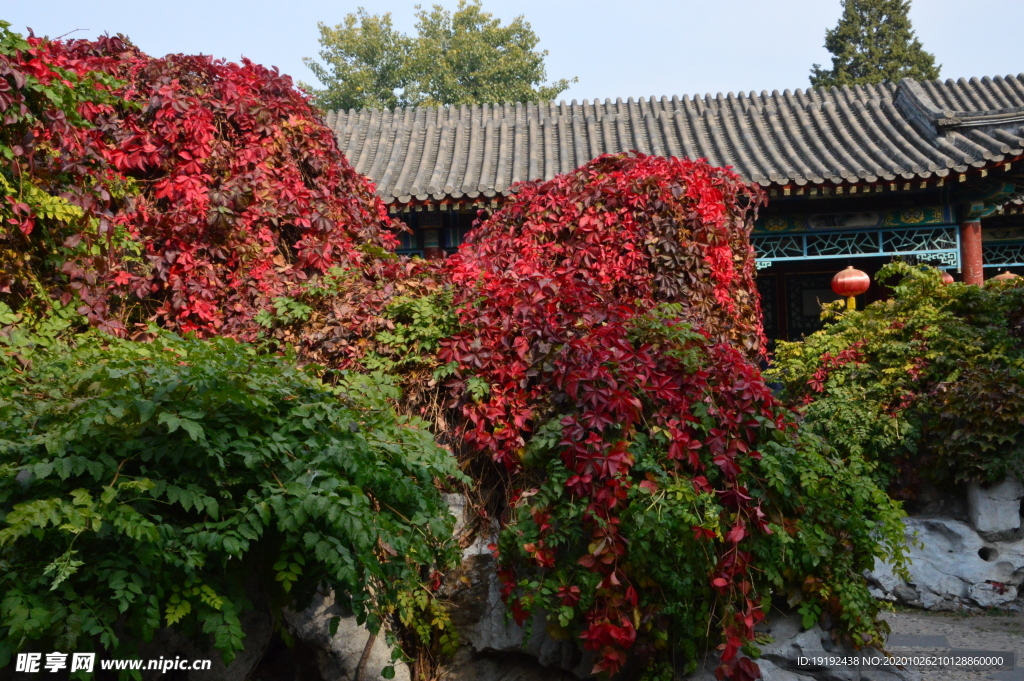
(271, 471)
(117, 473)
(358, 676)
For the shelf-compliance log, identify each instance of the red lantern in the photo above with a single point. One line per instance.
(850, 283)
(1005, 276)
(947, 278)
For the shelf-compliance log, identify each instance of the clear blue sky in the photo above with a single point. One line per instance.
(617, 48)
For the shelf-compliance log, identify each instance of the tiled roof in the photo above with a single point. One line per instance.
(818, 136)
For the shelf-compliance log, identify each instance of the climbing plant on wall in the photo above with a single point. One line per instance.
(660, 493)
(184, 188)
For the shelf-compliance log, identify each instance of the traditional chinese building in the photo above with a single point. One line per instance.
(928, 172)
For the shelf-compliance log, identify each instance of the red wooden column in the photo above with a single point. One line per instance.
(432, 245)
(970, 252)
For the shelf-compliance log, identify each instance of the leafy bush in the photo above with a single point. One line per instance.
(659, 495)
(929, 382)
(187, 188)
(145, 485)
(416, 326)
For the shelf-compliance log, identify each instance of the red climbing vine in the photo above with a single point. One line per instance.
(610, 314)
(207, 187)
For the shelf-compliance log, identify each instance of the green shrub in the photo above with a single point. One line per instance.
(928, 383)
(145, 485)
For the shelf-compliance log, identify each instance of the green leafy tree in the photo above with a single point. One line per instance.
(468, 58)
(366, 63)
(462, 57)
(874, 43)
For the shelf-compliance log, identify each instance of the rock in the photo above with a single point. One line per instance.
(934, 502)
(906, 594)
(995, 508)
(491, 631)
(168, 643)
(769, 672)
(458, 506)
(259, 628)
(781, 660)
(953, 568)
(879, 595)
(338, 656)
(885, 579)
(491, 640)
(792, 643)
(992, 595)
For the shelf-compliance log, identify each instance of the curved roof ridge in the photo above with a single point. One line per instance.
(988, 84)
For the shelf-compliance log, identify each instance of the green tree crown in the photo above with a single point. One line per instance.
(461, 57)
(874, 43)
(366, 61)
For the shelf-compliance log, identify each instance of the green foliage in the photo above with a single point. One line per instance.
(32, 331)
(366, 63)
(929, 382)
(330, 284)
(145, 485)
(417, 326)
(979, 421)
(874, 43)
(427, 617)
(287, 311)
(468, 57)
(465, 57)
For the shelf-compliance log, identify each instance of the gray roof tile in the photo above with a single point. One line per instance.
(836, 135)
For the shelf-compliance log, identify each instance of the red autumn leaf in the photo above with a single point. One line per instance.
(736, 534)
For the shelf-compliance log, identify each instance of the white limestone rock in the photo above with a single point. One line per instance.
(993, 595)
(488, 635)
(952, 567)
(493, 632)
(780, 661)
(995, 508)
(770, 672)
(338, 656)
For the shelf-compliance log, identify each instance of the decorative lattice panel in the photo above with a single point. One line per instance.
(938, 245)
(1004, 254)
